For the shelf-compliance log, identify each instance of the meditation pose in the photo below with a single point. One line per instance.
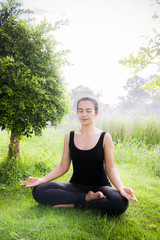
(91, 152)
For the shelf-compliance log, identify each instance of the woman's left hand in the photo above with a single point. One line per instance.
(128, 193)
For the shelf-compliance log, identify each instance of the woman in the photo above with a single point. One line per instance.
(91, 152)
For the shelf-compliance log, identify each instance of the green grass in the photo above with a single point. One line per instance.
(140, 156)
(22, 217)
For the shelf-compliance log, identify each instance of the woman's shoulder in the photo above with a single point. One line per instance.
(68, 135)
(105, 133)
(107, 139)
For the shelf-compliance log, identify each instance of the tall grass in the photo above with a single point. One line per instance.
(142, 157)
(137, 141)
(145, 130)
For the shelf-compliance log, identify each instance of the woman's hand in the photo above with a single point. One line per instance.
(32, 182)
(128, 193)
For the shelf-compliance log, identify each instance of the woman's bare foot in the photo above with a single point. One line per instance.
(89, 196)
(93, 196)
(64, 205)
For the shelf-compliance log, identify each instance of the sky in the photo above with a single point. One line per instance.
(99, 34)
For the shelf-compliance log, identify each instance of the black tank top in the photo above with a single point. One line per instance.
(88, 165)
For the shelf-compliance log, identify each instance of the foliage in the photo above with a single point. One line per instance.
(147, 55)
(32, 91)
(28, 102)
(42, 168)
(12, 171)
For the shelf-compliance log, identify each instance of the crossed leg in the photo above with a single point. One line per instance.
(89, 196)
(57, 194)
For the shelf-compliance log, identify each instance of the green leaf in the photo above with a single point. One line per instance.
(143, 48)
(154, 30)
(158, 52)
(155, 16)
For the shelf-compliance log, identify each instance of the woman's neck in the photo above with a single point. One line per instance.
(88, 129)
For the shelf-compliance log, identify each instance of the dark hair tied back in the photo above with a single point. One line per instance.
(91, 99)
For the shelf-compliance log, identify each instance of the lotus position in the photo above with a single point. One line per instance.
(91, 152)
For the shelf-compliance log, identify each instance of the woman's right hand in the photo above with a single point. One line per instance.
(32, 182)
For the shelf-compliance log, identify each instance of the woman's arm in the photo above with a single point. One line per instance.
(112, 171)
(55, 173)
(64, 165)
(109, 162)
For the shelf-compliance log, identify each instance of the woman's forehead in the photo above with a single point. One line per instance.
(85, 104)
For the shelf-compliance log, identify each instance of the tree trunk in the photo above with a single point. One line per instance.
(14, 146)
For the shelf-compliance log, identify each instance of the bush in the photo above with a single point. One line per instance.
(41, 168)
(12, 171)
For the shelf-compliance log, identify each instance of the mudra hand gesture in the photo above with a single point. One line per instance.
(128, 193)
(32, 182)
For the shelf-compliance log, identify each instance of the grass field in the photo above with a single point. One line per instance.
(22, 218)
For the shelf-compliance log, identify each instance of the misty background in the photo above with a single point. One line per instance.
(98, 34)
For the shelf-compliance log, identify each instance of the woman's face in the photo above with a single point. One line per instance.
(86, 112)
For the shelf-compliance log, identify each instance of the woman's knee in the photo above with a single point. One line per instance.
(123, 205)
(116, 206)
(118, 203)
(37, 193)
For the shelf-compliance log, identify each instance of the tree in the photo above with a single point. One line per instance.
(32, 91)
(148, 55)
(136, 99)
(81, 91)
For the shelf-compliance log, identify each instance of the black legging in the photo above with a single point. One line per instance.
(54, 193)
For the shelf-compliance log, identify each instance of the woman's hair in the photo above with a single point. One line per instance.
(91, 99)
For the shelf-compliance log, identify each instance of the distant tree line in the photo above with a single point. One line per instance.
(137, 100)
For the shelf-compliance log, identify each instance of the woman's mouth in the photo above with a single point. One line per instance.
(84, 119)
